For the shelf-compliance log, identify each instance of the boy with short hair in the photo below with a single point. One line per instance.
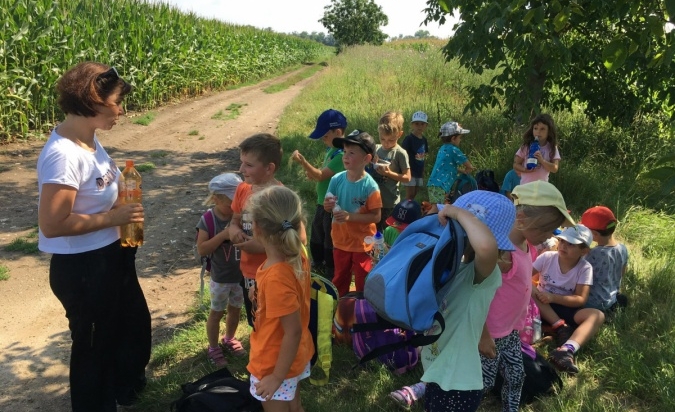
(448, 160)
(260, 156)
(417, 147)
(360, 205)
(330, 125)
(565, 279)
(609, 260)
(405, 212)
(392, 164)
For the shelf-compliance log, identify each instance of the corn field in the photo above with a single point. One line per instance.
(163, 52)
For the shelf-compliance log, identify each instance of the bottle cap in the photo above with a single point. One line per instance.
(329, 194)
(130, 163)
(368, 240)
(378, 235)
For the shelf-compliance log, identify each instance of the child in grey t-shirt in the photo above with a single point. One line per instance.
(609, 260)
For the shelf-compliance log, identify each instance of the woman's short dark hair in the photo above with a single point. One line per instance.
(86, 85)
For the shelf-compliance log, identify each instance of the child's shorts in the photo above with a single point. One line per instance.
(566, 313)
(415, 181)
(286, 391)
(436, 195)
(223, 294)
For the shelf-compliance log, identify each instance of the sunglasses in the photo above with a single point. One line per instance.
(110, 74)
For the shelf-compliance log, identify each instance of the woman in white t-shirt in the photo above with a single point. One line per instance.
(90, 273)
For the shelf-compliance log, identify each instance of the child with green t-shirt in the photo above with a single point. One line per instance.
(330, 125)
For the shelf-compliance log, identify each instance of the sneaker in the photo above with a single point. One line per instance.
(564, 361)
(407, 395)
(216, 357)
(562, 334)
(234, 346)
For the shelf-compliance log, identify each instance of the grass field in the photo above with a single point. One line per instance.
(628, 366)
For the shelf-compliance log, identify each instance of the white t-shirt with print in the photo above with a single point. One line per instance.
(95, 177)
(552, 280)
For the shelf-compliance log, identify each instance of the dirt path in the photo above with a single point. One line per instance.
(34, 337)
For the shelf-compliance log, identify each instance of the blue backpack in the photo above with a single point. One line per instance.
(407, 285)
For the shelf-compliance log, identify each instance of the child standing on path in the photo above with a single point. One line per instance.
(540, 209)
(225, 287)
(609, 260)
(448, 160)
(260, 156)
(281, 344)
(330, 125)
(393, 165)
(548, 157)
(360, 204)
(452, 369)
(565, 279)
(417, 147)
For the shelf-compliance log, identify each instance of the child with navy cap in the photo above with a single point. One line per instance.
(330, 125)
(417, 147)
(405, 212)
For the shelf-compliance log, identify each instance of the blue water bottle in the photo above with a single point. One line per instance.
(531, 162)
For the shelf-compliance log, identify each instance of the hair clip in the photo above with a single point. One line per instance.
(285, 225)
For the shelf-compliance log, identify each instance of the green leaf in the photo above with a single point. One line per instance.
(560, 20)
(528, 17)
(665, 159)
(660, 173)
(614, 54)
(655, 26)
(670, 8)
(445, 6)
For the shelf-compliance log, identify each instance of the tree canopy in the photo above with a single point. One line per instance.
(353, 22)
(613, 57)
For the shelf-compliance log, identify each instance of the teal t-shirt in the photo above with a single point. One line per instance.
(332, 160)
(453, 361)
(444, 173)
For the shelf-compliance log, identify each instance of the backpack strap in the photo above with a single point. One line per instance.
(209, 219)
(417, 340)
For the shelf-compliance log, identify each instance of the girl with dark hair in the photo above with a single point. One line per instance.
(543, 129)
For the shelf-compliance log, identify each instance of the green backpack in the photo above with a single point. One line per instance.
(323, 303)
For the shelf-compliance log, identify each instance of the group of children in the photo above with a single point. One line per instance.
(259, 260)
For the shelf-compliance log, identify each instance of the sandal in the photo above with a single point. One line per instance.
(234, 346)
(216, 357)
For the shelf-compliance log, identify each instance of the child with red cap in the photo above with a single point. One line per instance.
(609, 260)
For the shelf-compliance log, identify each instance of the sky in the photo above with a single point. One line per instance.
(288, 16)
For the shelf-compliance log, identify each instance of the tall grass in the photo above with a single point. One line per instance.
(163, 52)
(600, 163)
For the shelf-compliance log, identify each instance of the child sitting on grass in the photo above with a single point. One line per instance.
(609, 260)
(405, 212)
(565, 279)
(225, 274)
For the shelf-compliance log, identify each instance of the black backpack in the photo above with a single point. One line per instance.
(218, 391)
(540, 379)
(464, 183)
(485, 179)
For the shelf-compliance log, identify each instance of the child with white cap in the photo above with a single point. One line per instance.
(565, 280)
(449, 160)
(417, 147)
(225, 273)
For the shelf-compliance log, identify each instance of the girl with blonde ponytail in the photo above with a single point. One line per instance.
(281, 344)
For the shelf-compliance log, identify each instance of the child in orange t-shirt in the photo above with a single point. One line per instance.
(281, 344)
(260, 159)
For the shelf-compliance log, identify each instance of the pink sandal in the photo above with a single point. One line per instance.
(216, 357)
(234, 346)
